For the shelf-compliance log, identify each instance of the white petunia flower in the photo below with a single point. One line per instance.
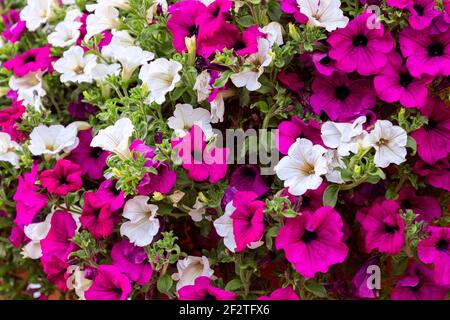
(274, 32)
(160, 76)
(120, 39)
(74, 66)
(334, 163)
(8, 149)
(52, 140)
(224, 227)
(323, 13)
(36, 232)
(345, 137)
(131, 57)
(36, 12)
(185, 117)
(29, 89)
(78, 281)
(249, 77)
(105, 17)
(67, 31)
(191, 268)
(103, 70)
(202, 86)
(197, 211)
(120, 4)
(303, 167)
(115, 138)
(153, 10)
(143, 224)
(389, 142)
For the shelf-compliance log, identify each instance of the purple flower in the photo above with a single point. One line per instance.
(425, 52)
(65, 177)
(33, 60)
(427, 207)
(359, 281)
(202, 290)
(109, 284)
(214, 16)
(435, 250)
(312, 242)
(360, 48)
(289, 131)
(287, 293)
(433, 139)
(97, 216)
(341, 98)
(395, 83)
(291, 7)
(437, 175)
(14, 27)
(418, 284)
(248, 178)
(107, 192)
(132, 261)
(323, 63)
(422, 12)
(162, 182)
(81, 110)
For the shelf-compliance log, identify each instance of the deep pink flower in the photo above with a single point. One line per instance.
(182, 22)
(10, 117)
(144, 150)
(287, 293)
(92, 160)
(201, 163)
(312, 242)
(427, 207)
(14, 27)
(323, 63)
(341, 98)
(289, 131)
(81, 110)
(291, 7)
(425, 52)
(58, 242)
(214, 16)
(56, 269)
(132, 261)
(291, 81)
(395, 83)
(33, 60)
(97, 216)
(311, 200)
(162, 182)
(65, 177)
(359, 280)
(202, 290)
(433, 139)
(382, 227)
(422, 12)
(108, 193)
(418, 284)
(401, 4)
(109, 284)
(248, 178)
(435, 250)
(360, 48)
(248, 219)
(437, 175)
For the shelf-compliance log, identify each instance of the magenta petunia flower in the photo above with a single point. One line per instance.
(248, 219)
(323, 63)
(248, 178)
(425, 52)
(395, 83)
(92, 160)
(56, 269)
(359, 281)
(65, 177)
(291, 7)
(289, 131)
(360, 48)
(97, 216)
(427, 207)
(422, 12)
(201, 163)
(109, 284)
(58, 242)
(435, 250)
(132, 261)
(108, 193)
(341, 98)
(291, 81)
(437, 175)
(312, 242)
(182, 22)
(162, 182)
(382, 227)
(214, 16)
(10, 117)
(33, 60)
(433, 139)
(311, 200)
(81, 110)
(418, 284)
(14, 27)
(203, 290)
(287, 293)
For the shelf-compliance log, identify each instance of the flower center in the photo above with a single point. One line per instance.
(209, 296)
(405, 80)
(309, 236)
(248, 172)
(419, 9)
(442, 245)
(390, 229)
(382, 142)
(432, 124)
(30, 59)
(63, 180)
(435, 49)
(78, 69)
(325, 60)
(239, 45)
(360, 41)
(193, 30)
(341, 92)
(96, 152)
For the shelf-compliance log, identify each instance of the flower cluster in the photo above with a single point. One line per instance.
(225, 149)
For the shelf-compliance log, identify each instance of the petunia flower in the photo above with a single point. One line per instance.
(14, 26)
(53, 140)
(36, 13)
(426, 207)
(360, 280)
(77, 280)
(224, 227)
(74, 66)
(248, 178)
(437, 175)
(108, 193)
(8, 149)
(323, 13)
(287, 293)
(303, 167)
(202, 290)
(29, 89)
(130, 58)
(274, 32)
(67, 32)
(289, 131)
(97, 216)
(291, 7)
(185, 116)
(65, 177)
(191, 268)
(312, 242)
(36, 232)
(109, 284)
(105, 17)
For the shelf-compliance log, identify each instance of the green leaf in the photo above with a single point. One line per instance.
(289, 213)
(411, 143)
(233, 285)
(164, 283)
(246, 21)
(316, 289)
(222, 80)
(330, 195)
